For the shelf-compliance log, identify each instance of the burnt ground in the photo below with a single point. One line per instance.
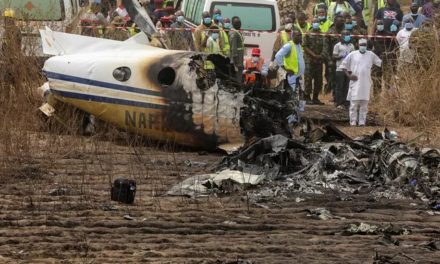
(55, 208)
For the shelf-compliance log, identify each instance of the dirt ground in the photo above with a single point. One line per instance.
(55, 207)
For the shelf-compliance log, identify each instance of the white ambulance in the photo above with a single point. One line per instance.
(260, 20)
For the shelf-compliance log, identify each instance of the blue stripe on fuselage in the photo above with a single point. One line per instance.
(113, 86)
(101, 99)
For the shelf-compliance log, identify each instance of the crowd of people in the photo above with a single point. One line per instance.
(333, 45)
(337, 43)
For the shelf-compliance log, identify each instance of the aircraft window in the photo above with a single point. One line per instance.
(122, 74)
(166, 76)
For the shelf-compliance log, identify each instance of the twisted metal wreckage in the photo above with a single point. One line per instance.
(324, 161)
(168, 95)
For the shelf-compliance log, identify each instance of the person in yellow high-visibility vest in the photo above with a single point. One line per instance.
(236, 41)
(338, 7)
(290, 58)
(224, 37)
(283, 37)
(302, 23)
(322, 4)
(324, 23)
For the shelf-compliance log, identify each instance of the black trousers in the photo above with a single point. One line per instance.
(341, 88)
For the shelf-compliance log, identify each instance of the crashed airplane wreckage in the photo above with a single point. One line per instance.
(166, 95)
(325, 161)
(163, 94)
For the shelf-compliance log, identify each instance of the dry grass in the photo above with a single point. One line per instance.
(415, 98)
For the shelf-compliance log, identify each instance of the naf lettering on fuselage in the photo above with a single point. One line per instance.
(147, 120)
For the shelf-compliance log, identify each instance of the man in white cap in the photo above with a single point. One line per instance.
(357, 66)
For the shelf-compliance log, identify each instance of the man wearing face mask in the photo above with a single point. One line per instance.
(212, 45)
(255, 70)
(217, 16)
(236, 42)
(290, 58)
(181, 37)
(200, 34)
(224, 38)
(340, 52)
(357, 66)
(329, 43)
(282, 37)
(389, 14)
(413, 13)
(405, 53)
(384, 47)
(324, 23)
(313, 46)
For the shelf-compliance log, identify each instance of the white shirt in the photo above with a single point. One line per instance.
(402, 37)
(342, 50)
(121, 12)
(360, 65)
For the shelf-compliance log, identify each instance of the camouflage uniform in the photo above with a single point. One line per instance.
(385, 49)
(313, 71)
(329, 44)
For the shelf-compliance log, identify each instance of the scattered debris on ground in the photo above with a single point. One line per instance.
(325, 160)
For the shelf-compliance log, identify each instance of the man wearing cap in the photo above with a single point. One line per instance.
(290, 58)
(255, 70)
(357, 66)
(414, 14)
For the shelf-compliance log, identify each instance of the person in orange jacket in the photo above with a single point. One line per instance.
(255, 70)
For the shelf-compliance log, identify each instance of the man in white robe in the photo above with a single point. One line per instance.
(357, 66)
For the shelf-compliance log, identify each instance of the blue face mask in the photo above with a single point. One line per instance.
(347, 39)
(228, 26)
(393, 28)
(315, 26)
(207, 21)
(218, 19)
(180, 19)
(214, 36)
(409, 26)
(380, 27)
(217, 16)
(354, 23)
(362, 49)
(348, 26)
(322, 18)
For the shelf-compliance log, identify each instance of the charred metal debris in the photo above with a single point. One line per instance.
(325, 160)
